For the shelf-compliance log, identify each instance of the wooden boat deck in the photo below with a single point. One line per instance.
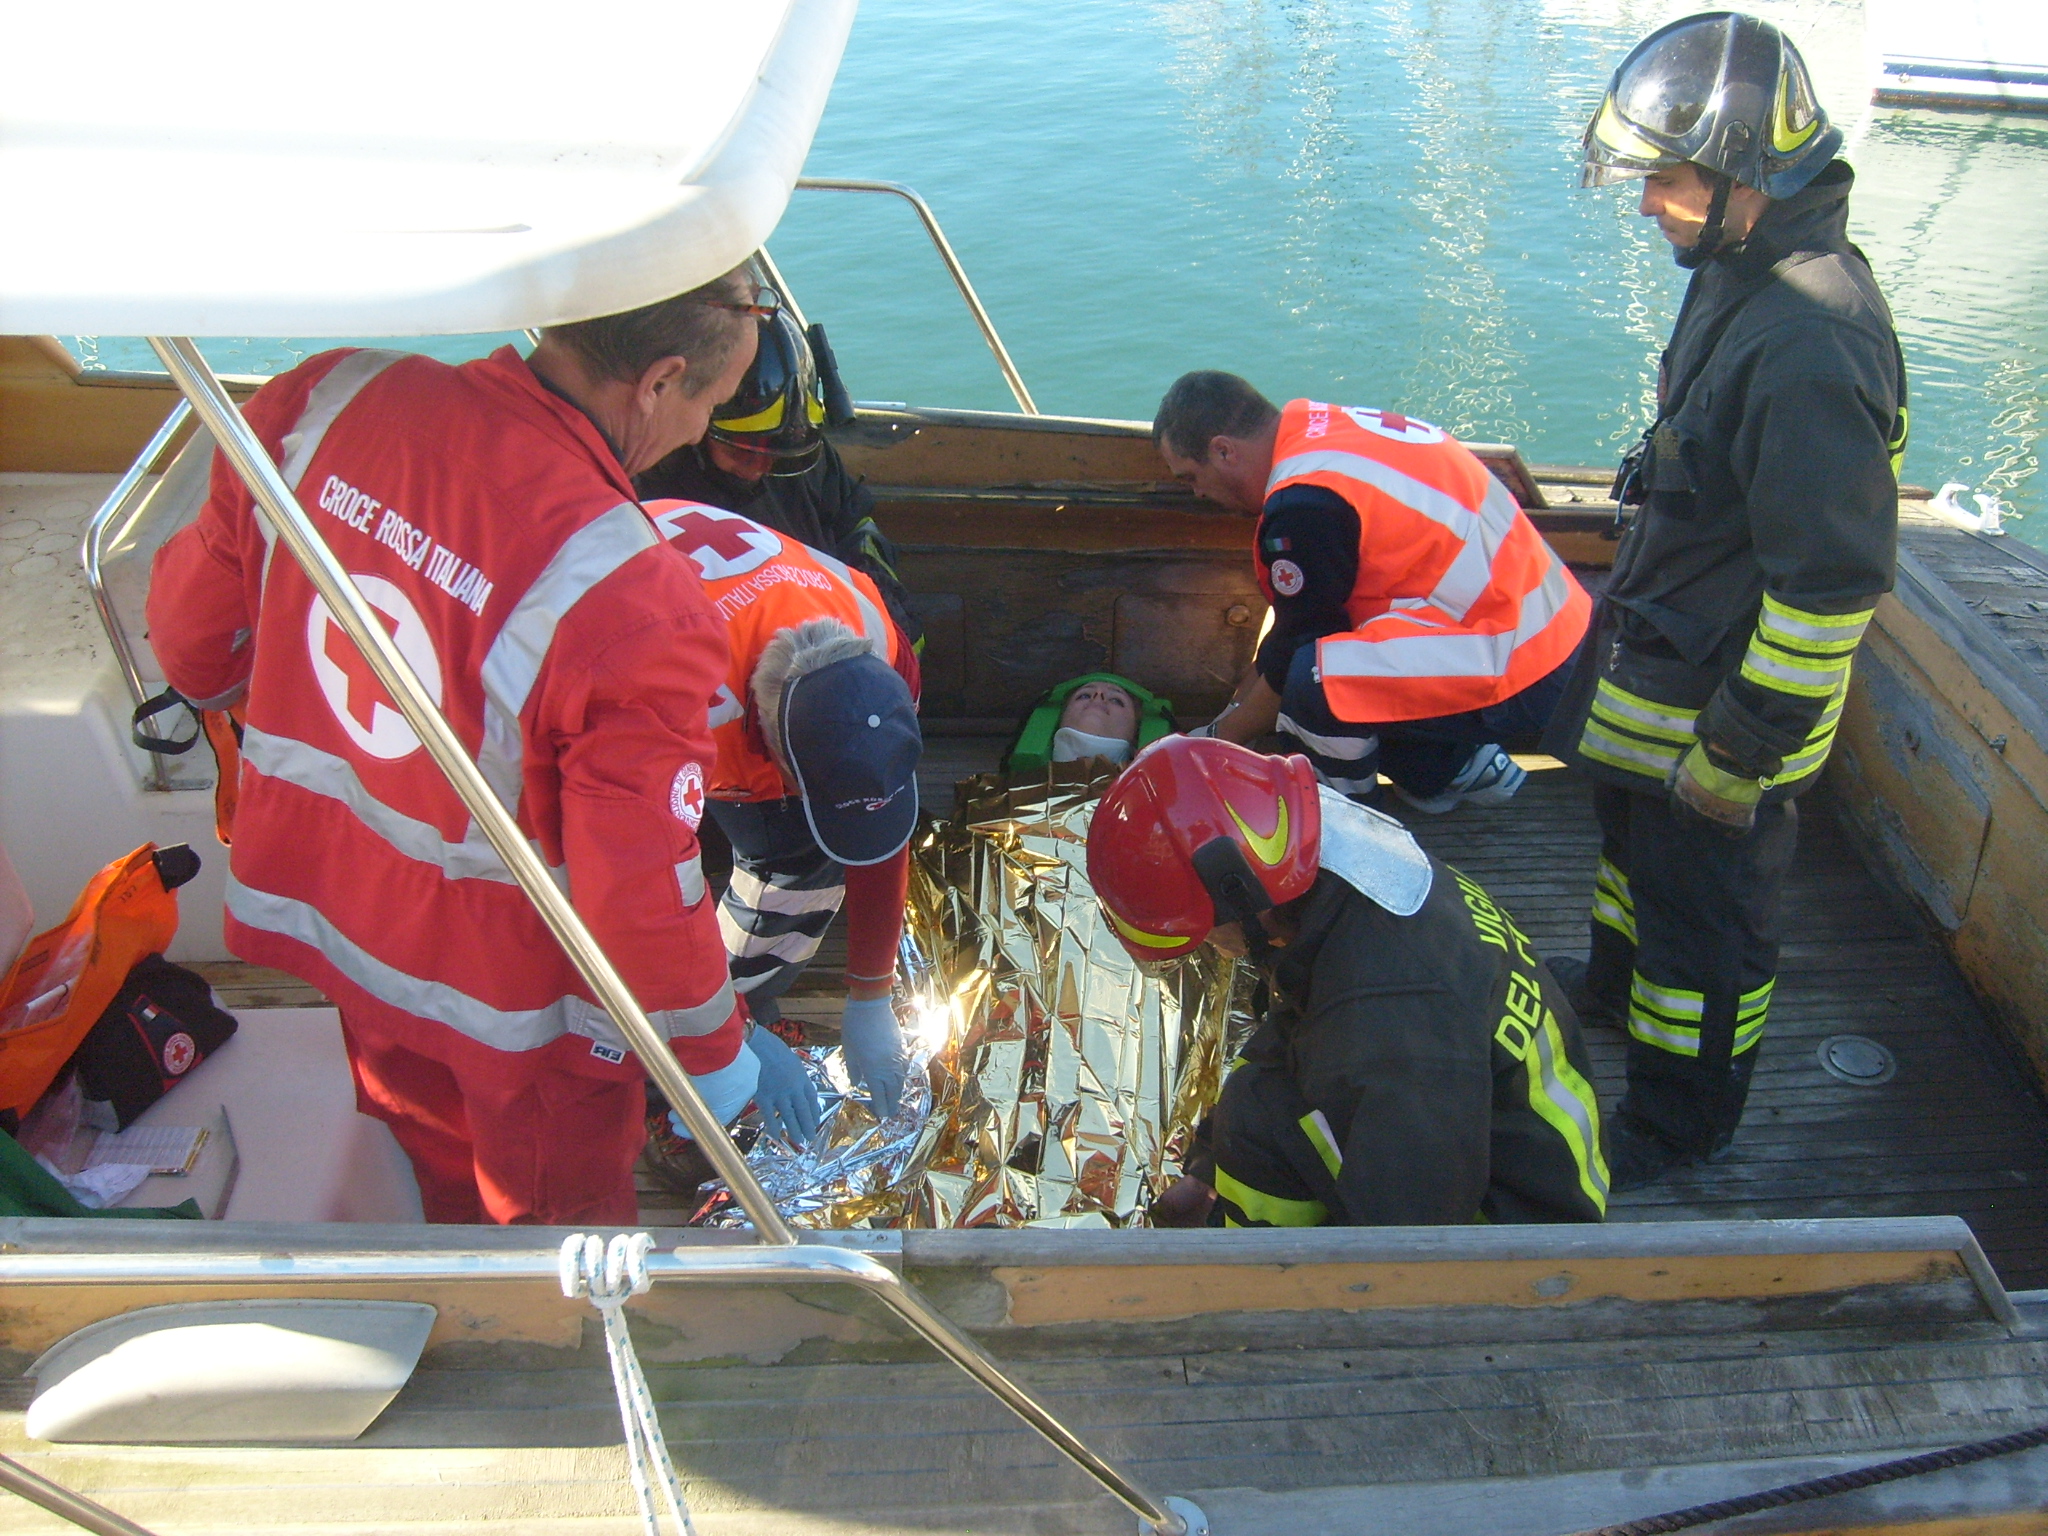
(1959, 1131)
(1339, 1400)
(1998, 578)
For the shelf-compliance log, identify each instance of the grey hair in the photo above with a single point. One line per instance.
(691, 325)
(809, 647)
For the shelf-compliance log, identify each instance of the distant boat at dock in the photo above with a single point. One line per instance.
(1989, 55)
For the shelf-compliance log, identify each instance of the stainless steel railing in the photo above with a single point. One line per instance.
(63, 1503)
(945, 250)
(785, 1257)
(112, 524)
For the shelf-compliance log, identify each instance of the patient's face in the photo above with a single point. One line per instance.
(1102, 709)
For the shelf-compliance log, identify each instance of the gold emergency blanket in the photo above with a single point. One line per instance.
(1065, 1079)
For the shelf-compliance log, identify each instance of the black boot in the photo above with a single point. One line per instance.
(1636, 1158)
(1594, 1012)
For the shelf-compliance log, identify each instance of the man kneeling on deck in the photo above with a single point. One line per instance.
(1417, 1065)
(815, 787)
(1419, 620)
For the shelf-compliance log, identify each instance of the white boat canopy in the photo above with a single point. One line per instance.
(394, 167)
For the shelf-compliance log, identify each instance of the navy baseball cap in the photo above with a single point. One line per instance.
(849, 734)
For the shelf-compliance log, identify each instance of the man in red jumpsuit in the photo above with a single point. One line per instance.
(487, 513)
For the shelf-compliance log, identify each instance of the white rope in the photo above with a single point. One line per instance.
(608, 1275)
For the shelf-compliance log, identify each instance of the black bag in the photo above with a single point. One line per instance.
(160, 1025)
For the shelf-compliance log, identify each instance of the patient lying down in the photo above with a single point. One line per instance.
(1100, 720)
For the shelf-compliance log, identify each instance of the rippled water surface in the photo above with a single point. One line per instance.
(1373, 201)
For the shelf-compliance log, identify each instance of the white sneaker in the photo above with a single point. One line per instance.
(1489, 777)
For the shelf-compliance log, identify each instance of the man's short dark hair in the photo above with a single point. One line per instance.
(1209, 404)
(625, 346)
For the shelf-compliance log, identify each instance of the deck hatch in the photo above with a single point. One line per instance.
(1857, 1059)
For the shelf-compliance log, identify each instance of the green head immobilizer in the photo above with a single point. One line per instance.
(1031, 748)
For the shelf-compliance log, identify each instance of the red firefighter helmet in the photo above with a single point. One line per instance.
(1199, 832)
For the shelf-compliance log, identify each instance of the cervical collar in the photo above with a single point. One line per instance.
(1070, 745)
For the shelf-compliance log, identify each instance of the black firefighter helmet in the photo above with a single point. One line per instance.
(1723, 90)
(779, 407)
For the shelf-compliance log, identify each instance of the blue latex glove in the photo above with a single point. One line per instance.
(876, 1056)
(789, 1104)
(726, 1092)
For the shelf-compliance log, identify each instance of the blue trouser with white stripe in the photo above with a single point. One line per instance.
(783, 895)
(1422, 756)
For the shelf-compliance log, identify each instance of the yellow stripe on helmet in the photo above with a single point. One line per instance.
(1271, 848)
(1139, 936)
(761, 421)
(1612, 132)
(1783, 140)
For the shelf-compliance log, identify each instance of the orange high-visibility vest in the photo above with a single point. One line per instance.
(762, 582)
(1459, 603)
(63, 980)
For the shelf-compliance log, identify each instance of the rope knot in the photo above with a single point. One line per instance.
(606, 1273)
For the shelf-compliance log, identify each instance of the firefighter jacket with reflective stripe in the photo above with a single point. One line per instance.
(1743, 586)
(1444, 1074)
(761, 583)
(1458, 602)
(573, 652)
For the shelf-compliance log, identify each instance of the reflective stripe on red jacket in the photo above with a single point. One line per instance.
(760, 583)
(573, 654)
(1459, 603)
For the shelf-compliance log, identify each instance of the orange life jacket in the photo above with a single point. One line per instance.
(67, 975)
(762, 582)
(1459, 604)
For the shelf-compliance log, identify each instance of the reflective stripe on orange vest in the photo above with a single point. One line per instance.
(1458, 604)
(761, 583)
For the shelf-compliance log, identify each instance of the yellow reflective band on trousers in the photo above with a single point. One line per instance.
(1666, 1017)
(1803, 654)
(1561, 1098)
(1612, 903)
(1316, 1127)
(1265, 1209)
(1669, 1017)
(1636, 734)
(1750, 1013)
(1630, 732)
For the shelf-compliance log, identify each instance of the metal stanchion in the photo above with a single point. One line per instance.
(280, 508)
(63, 1503)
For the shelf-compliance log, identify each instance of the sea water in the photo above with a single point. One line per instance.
(1372, 202)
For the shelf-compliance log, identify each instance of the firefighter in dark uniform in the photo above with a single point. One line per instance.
(1417, 1065)
(1765, 516)
(766, 458)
